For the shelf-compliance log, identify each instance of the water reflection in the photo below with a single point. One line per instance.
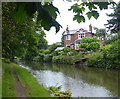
(82, 81)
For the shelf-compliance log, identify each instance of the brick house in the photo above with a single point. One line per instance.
(72, 38)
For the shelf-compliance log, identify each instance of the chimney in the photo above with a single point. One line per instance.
(67, 30)
(90, 28)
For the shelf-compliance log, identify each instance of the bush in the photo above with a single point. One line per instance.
(64, 59)
(79, 55)
(107, 57)
(94, 59)
(90, 43)
(62, 94)
(48, 58)
(38, 58)
(67, 49)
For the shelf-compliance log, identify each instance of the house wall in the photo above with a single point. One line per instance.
(73, 38)
(88, 35)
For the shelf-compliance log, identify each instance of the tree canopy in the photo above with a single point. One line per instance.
(47, 12)
(90, 43)
(20, 23)
(114, 23)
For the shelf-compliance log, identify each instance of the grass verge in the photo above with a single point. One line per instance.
(8, 85)
(33, 88)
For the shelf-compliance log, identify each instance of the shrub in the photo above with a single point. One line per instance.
(64, 59)
(79, 55)
(48, 58)
(94, 59)
(90, 43)
(56, 91)
(107, 57)
(38, 58)
(67, 49)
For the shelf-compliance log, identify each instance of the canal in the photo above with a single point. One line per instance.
(82, 81)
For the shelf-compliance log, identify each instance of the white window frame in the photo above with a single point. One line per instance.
(68, 37)
(81, 35)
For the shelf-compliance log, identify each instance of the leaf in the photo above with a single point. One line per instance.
(47, 21)
(74, 8)
(95, 14)
(89, 15)
(20, 14)
(52, 10)
(102, 5)
(79, 18)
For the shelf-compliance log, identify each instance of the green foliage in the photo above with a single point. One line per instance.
(106, 50)
(79, 18)
(54, 89)
(114, 23)
(47, 58)
(113, 38)
(90, 43)
(107, 57)
(94, 59)
(52, 47)
(46, 13)
(80, 55)
(58, 93)
(38, 59)
(100, 33)
(67, 49)
(62, 38)
(8, 82)
(89, 39)
(80, 11)
(20, 39)
(34, 89)
(64, 59)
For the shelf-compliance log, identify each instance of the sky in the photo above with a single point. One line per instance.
(66, 18)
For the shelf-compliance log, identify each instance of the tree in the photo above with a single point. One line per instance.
(19, 33)
(90, 43)
(47, 13)
(52, 47)
(80, 9)
(100, 33)
(20, 39)
(114, 23)
(62, 38)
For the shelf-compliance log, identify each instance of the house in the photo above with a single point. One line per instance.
(72, 38)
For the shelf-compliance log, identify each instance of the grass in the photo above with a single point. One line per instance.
(33, 88)
(8, 85)
(0, 78)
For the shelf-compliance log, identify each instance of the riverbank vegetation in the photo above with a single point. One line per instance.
(27, 81)
(23, 38)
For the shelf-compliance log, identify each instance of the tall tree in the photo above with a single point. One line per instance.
(114, 23)
(100, 33)
(19, 38)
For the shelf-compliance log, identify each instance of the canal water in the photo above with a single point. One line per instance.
(82, 81)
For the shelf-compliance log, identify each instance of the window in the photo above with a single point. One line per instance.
(68, 37)
(81, 35)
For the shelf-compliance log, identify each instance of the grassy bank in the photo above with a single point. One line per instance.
(0, 78)
(8, 84)
(33, 88)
